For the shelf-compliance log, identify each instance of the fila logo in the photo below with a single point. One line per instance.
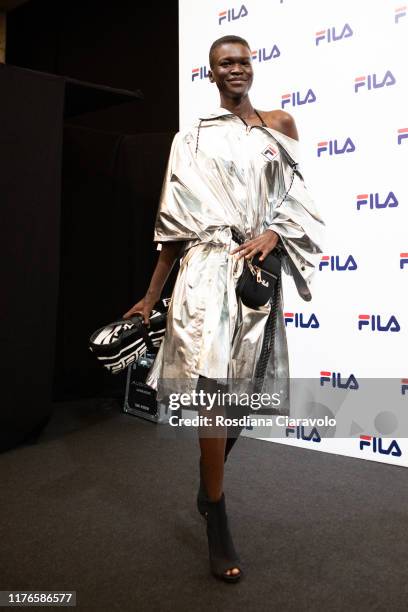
(201, 73)
(299, 432)
(374, 321)
(264, 55)
(333, 263)
(300, 321)
(295, 99)
(232, 15)
(334, 378)
(330, 35)
(370, 81)
(404, 386)
(270, 152)
(403, 260)
(378, 446)
(333, 148)
(402, 134)
(400, 12)
(373, 201)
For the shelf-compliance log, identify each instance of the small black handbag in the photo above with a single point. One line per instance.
(256, 285)
(258, 280)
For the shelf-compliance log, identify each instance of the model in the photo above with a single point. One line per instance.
(225, 177)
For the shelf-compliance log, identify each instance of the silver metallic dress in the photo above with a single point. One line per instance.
(222, 174)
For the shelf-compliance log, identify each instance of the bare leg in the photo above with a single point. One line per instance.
(212, 440)
(212, 465)
(234, 431)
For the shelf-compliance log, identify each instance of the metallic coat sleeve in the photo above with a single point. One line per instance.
(300, 227)
(171, 222)
(190, 203)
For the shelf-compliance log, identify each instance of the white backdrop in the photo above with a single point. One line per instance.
(339, 68)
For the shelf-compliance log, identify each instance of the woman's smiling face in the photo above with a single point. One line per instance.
(231, 69)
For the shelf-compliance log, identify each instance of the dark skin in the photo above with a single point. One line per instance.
(229, 61)
(232, 72)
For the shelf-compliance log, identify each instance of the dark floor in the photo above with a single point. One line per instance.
(104, 504)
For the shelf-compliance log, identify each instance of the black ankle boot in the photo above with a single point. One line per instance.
(222, 553)
(202, 499)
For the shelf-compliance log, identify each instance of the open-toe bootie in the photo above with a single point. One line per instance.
(202, 499)
(222, 553)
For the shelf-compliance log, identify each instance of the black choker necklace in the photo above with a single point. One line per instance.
(256, 112)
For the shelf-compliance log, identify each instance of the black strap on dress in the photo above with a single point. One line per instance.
(256, 112)
(269, 330)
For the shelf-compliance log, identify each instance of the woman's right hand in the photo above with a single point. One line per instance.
(143, 307)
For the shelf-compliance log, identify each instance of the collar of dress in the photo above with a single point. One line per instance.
(290, 145)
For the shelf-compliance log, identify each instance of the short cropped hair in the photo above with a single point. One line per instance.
(226, 39)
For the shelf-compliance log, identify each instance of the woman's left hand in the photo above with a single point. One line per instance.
(263, 244)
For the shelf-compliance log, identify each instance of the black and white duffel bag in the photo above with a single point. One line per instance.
(120, 343)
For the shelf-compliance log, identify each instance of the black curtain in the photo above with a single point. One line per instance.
(64, 280)
(124, 44)
(78, 208)
(110, 190)
(31, 107)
